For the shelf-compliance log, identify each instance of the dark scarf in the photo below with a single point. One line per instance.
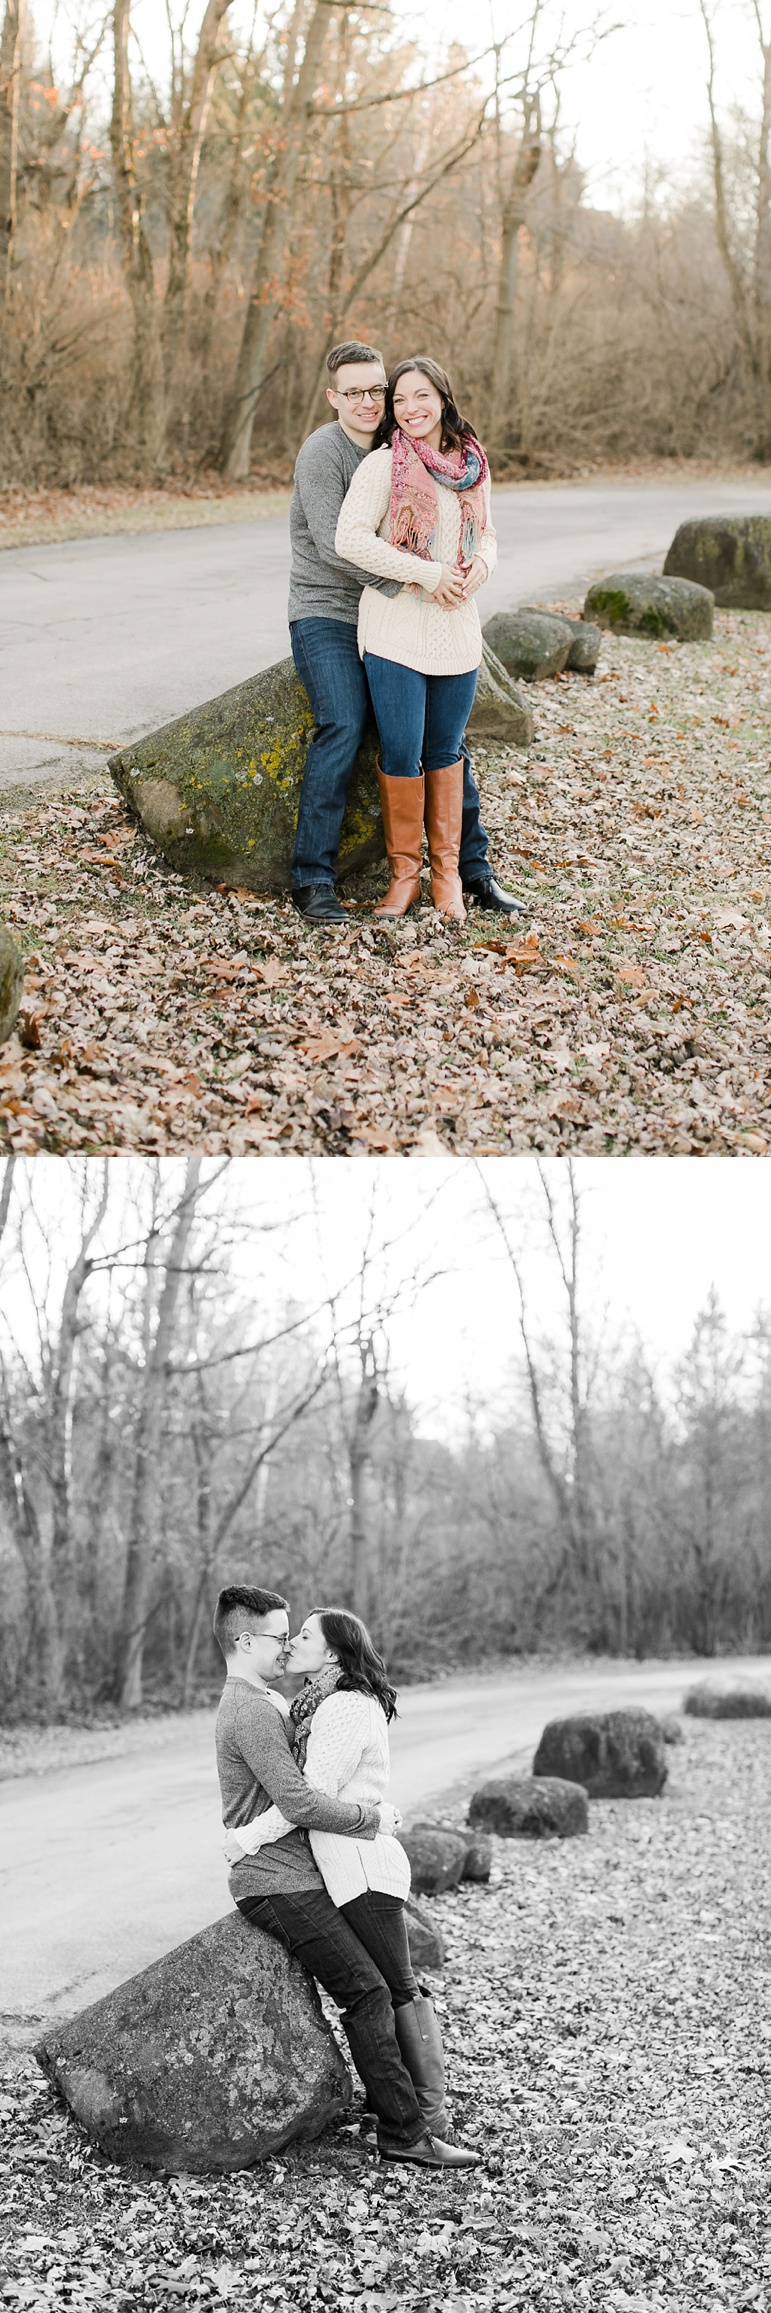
(314, 1692)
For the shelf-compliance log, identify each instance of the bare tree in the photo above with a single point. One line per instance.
(10, 51)
(147, 390)
(744, 239)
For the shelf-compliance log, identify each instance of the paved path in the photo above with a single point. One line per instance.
(105, 638)
(106, 1866)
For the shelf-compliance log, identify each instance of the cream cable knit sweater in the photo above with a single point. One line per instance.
(347, 1758)
(409, 627)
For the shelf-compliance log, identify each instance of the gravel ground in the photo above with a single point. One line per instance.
(606, 2017)
(630, 1017)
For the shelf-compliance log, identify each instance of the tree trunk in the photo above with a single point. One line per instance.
(59, 1426)
(235, 452)
(359, 1450)
(147, 390)
(142, 1539)
(513, 210)
(190, 132)
(10, 52)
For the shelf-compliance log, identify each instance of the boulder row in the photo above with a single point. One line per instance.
(209, 2060)
(11, 975)
(632, 602)
(729, 553)
(524, 1807)
(706, 1702)
(218, 789)
(613, 1754)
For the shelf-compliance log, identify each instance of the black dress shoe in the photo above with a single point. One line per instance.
(489, 895)
(319, 904)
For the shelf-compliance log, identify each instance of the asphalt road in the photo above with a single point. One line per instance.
(106, 638)
(105, 1867)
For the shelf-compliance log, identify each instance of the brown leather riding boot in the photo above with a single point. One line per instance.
(444, 814)
(422, 2054)
(402, 803)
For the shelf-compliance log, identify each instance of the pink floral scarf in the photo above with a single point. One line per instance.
(414, 506)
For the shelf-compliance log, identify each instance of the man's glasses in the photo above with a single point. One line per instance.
(362, 394)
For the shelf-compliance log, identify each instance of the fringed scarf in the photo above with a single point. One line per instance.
(314, 1692)
(414, 504)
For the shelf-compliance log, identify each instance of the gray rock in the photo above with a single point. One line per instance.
(499, 713)
(706, 1702)
(532, 643)
(427, 1946)
(729, 553)
(209, 2060)
(11, 975)
(218, 790)
(479, 1849)
(671, 1729)
(613, 1754)
(437, 1859)
(585, 647)
(631, 602)
(523, 1807)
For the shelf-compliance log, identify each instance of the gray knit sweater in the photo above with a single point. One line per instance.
(255, 1765)
(321, 586)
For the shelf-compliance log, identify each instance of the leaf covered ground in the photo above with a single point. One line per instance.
(630, 1016)
(605, 2009)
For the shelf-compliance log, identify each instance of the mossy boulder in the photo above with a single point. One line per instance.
(425, 1939)
(533, 644)
(612, 1754)
(711, 1702)
(211, 2059)
(499, 716)
(479, 1848)
(219, 789)
(729, 553)
(527, 1807)
(632, 602)
(11, 975)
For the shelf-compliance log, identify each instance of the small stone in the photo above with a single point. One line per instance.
(633, 602)
(585, 647)
(729, 553)
(427, 1947)
(437, 1859)
(211, 2059)
(532, 643)
(712, 1702)
(613, 1754)
(523, 1807)
(671, 1729)
(11, 976)
(499, 711)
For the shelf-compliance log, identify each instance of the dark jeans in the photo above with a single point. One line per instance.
(326, 655)
(310, 1927)
(378, 1921)
(421, 718)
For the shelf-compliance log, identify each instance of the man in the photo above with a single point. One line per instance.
(281, 1889)
(323, 612)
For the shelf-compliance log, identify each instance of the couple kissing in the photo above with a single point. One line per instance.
(391, 540)
(315, 1862)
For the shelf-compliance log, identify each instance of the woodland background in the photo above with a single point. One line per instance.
(175, 260)
(167, 1425)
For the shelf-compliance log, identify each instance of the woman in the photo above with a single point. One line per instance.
(418, 509)
(341, 1719)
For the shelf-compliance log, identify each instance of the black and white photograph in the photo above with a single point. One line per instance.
(386, 1662)
(385, 1156)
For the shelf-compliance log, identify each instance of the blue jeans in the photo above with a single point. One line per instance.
(326, 655)
(421, 718)
(309, 1926)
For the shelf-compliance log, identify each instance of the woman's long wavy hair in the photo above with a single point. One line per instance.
(455, 429)
(364, 1671)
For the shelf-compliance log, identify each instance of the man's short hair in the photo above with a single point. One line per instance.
(241, 1608)
(353, 351)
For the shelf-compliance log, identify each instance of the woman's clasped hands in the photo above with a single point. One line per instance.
(456, 585)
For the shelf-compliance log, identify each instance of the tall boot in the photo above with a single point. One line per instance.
(422, 2054)
(444, 818)
(402, 803)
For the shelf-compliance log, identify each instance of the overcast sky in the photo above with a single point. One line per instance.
(640, 93)
(659, 1232)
